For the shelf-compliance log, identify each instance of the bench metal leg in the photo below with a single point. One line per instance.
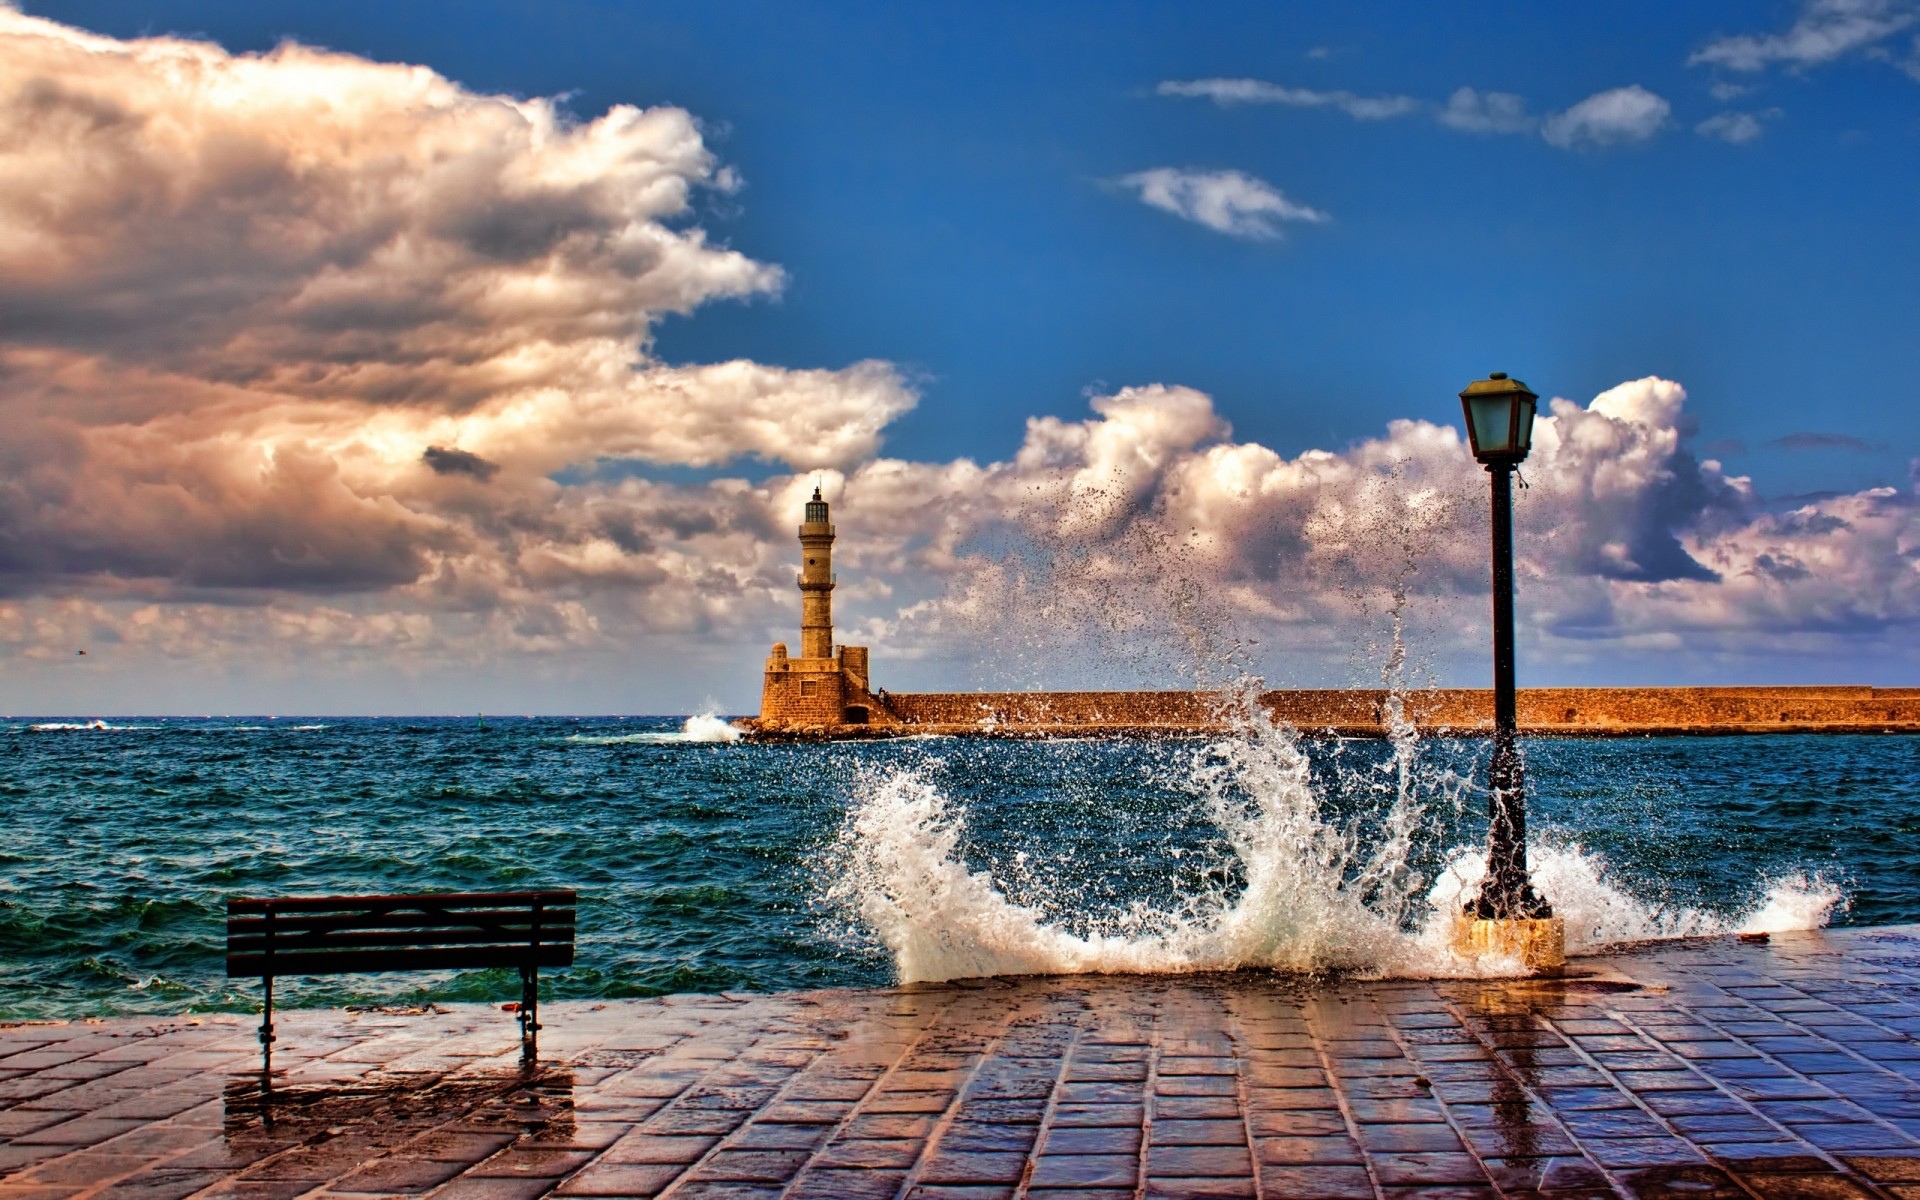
(529, 1015)
(266, 1042)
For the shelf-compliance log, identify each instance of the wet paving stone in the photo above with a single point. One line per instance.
(1702, 1069)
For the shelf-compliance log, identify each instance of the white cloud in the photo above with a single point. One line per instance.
(299, 320)
(1824, 31)
(1125, 547)
(1626, 114)
(1737, 128)
(1486, 112)
(1256, 91)
(1226, 201)
(1155, 529)
(319, 366)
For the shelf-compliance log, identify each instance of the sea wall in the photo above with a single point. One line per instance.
(1592, 712)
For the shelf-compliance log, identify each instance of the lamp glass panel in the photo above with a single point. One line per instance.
(1523, 439)
(1492, 423)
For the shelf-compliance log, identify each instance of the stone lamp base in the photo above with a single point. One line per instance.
(1539, 943)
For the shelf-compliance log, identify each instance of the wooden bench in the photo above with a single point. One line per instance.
(349, 935)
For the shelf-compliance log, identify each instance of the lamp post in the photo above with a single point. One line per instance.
(1508, 916)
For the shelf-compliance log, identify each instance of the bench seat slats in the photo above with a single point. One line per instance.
(280, 904)
(327, 935)
(365, 939)
(272, 937)
(353, 962)
(560, 919)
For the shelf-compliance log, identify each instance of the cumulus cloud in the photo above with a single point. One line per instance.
(1626, 114)
(1227, 92)
(1736, 128)
(1150, 513)
(1824, 31)
(1225, 201)
(269, 318)
(1474, 111)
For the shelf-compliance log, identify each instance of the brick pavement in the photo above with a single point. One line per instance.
(1698, 1069)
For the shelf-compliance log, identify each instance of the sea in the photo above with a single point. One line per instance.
(709, 864)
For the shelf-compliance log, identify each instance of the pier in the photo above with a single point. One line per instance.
(1362, 712)
(1707, 1068)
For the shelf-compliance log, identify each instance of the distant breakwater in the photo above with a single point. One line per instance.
(1364, 712)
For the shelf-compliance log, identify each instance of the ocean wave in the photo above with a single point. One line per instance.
(708, 727)
(621, 739)
(702, 728)
(1312, 892)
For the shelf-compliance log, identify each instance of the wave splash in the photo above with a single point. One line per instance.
(707, 727)
(1315, 892)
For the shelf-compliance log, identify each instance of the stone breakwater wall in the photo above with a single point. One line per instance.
(1589, 712)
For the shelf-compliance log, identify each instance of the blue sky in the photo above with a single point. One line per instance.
(1195, 259)
(938, 182)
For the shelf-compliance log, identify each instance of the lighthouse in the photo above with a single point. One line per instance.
(816, 581)
(824, 685)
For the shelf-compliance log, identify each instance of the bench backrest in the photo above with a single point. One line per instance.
(456, 931)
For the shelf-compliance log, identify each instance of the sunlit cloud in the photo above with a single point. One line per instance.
(272, 319)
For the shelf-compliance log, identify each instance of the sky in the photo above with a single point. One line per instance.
(365, 358)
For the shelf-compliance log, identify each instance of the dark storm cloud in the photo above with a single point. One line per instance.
(452, 461)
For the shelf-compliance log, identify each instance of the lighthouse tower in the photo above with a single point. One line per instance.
(825, 685)
(816, 581)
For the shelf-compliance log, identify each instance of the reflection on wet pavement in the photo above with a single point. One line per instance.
(1700, 1069)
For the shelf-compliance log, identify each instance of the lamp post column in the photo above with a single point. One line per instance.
(1508, 918)
(1507, 892)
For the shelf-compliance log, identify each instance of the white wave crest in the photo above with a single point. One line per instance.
(1318, 895)
(708, 727)
(703, 727)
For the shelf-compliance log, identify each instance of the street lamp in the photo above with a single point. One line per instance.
(1508, 917)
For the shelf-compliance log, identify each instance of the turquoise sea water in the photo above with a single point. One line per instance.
(707, 866)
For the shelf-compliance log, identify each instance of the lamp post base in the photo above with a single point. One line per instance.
(1540, 943)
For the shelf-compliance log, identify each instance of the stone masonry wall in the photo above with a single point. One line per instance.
(988, 709)
(1359, 711)
(804, 691)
